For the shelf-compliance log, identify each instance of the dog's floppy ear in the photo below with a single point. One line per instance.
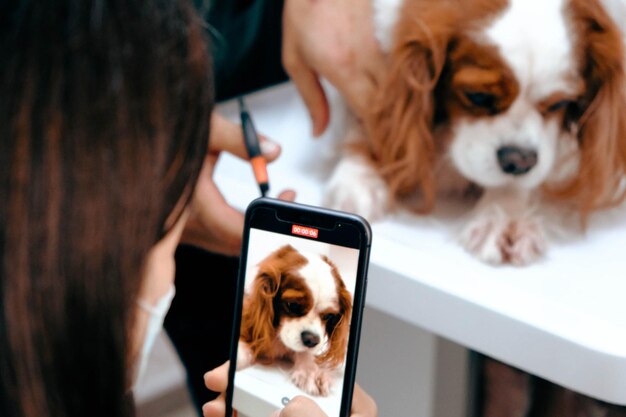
(602, 122)
(258, 319)
(338, 339)
(336, 352)
(401, 123)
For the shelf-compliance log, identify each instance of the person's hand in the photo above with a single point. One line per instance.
(362, 406)
(213, 224)
(333, 39)
(217, 380)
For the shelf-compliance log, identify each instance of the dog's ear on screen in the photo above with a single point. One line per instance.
(338, 336)
(602, 113)
(403, 107)
(338, 339)
(257, 322)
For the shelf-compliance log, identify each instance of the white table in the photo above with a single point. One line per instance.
(563, 319)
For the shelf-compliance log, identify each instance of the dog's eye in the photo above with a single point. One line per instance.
(330, 318)
(294, 308)
(484, 100)
(561, 104)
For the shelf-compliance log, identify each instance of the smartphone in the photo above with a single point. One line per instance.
(300, 296)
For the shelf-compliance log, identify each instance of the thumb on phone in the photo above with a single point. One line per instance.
(300, 406)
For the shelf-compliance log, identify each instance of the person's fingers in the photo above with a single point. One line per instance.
(312, 93)
(228, 136)
(358, 86)
(300, 406)
(213, 224)
(217, 379)
(362, 404)
(224, 238)
(309, 87)
(287, 195)
(302, 75)
(222, 214)
(215, 408)
(358, 94)
(362, 93)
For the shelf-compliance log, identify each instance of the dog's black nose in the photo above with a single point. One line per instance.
(309, 339)
(516, 161)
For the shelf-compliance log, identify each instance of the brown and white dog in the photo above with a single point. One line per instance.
(522, 99)
(297, 309)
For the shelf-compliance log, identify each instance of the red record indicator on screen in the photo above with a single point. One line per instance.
(304, 231)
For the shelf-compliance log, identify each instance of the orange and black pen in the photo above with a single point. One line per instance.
(258, 161)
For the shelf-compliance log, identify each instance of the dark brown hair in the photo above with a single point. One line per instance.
(104, 118)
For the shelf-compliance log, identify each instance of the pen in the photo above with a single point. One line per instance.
(251, 139)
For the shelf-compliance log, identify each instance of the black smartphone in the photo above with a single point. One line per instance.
(300, 296)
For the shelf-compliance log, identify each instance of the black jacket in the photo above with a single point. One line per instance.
(245, 37)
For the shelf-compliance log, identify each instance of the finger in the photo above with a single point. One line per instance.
(217, 379)
(362, 404)
(311, 91)
(215, 408)
(358, 93)
(229, 219)
(228, 136)
(302, 406)
(287, 195)
(213, 224)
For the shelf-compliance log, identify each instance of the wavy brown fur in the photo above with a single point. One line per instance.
(602, 125)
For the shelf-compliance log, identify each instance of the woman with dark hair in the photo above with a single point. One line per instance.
(104, 120)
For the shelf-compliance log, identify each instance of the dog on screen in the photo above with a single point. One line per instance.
(297, 310)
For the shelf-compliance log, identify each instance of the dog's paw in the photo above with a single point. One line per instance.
(525, 242)
(482, 236)
(313, 381)
(356, 187)
(494, 238)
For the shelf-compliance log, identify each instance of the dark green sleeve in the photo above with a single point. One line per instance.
(246, 38)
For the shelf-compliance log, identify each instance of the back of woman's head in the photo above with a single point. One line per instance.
(104, 112)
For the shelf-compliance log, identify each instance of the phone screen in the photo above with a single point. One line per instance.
(302, 286)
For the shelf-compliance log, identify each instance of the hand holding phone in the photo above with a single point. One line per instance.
(217, 379)
(213, 224)
(298, 312)
(362, 406)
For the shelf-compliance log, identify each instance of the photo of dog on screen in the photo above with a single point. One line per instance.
(296, 316)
